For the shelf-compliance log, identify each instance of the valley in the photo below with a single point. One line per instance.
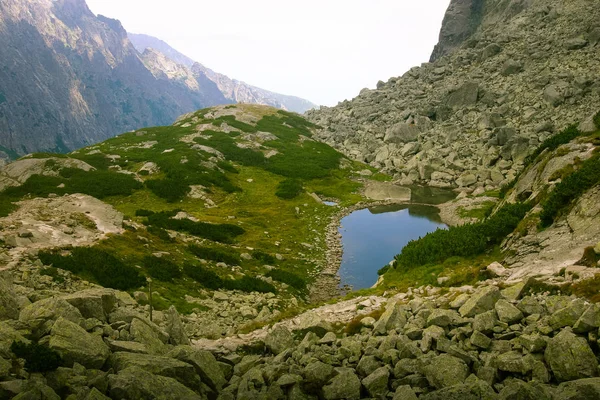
(437, 237)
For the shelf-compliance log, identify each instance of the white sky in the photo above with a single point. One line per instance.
(322, 50)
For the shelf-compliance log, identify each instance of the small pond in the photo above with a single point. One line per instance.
(373, 236)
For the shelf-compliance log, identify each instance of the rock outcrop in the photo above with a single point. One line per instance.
(504, 77)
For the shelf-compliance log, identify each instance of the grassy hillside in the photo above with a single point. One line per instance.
(220, 200)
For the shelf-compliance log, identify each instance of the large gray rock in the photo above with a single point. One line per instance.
(404, 393)
(446, 370)
(75, 345)
(481, 301)
(464, 96)
(515, 362)
(570, 357)
(581, 389)
(569, 315)
(148, 334)
(93, 303)
(136, 383)
(205, 364)
(157, 365)
(516, 389)
(393, 317)
(174, 327)
(478, 390)
(8, 335)
(344, 386)
(507, 312)
(9, 308)
(402, 133)
(279, 339)
(376, 384)
(316, 374)
(589, 320)
(40, 315)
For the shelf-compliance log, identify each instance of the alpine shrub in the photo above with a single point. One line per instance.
(37, 358)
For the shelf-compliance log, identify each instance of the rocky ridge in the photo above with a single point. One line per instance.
(233, 90)
(503, 79)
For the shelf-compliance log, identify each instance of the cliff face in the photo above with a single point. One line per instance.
(505, 76)
(69, 78)
(232, 89)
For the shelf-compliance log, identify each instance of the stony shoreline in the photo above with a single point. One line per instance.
(327, 285)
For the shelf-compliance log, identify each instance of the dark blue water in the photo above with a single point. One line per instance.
(372, 237)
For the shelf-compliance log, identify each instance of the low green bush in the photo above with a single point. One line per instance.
(289, 189)
(597, 120)
(264, 257)
(203, 276)
(226, 255)
(37, 358)
(249, 284)
(462, 241)
(231, 121)
(101, 266)
(143, 213)
(162, 269)
(569, 189)
(224, 233)
(169, 189)
(288, 278)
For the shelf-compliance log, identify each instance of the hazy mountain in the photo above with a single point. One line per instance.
(232, 89)
(70, 78)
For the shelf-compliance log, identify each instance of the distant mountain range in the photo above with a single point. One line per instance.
(234, 90)
(69, 78)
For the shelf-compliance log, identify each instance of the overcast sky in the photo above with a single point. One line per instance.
(322, 50)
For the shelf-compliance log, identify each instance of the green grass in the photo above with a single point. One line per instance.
(478, 213)
(162, 269)
(289, 189)
(288, 278)
(570, 189)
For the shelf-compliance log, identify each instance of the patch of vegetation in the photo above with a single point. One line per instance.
(227, 145)
(6, 206)
(231, 121)
(569, 190)
(288, 278)
(169, 189)
(143, 213)
(462, 241)
(211, 280)
(482, 212)
(226, 166)
(590, 258)
(597, 120)
(552, 143)
(264, 257)
(38, 358)
(203, 276)
(99, 184)
(289, 189)
(224, 233)
(52, 272)
(98, 265)
(162, 269)
(218, 254)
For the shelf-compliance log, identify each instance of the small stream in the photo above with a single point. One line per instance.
(372, 237)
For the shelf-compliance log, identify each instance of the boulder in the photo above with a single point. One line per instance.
(8, 335)
(148, 334)
(93, 303)
(9, 308)
(402, 133)
(75, 345)
(570, 357)
(156, 365)
(516, 389)
(511, 67)
(136, 383)
(514, 362)
(497, 269)
(446, 370)
(344, 386)
(40, 315)
(581, 389)
(317, 374)
(481, 301)
(464, 96)
(376, 383)
(575, 43)
(174, 328)
(507, 312)
(205, 364)
(477, 390)
(367, 365)
(442, 317)
(392, 318)
(279, 339)
(589, 320)
(569, 315)
(404, 392)
(480, 340)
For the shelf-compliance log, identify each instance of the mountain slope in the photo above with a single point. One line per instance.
(232, 89)
(69, 78)
(505, 76)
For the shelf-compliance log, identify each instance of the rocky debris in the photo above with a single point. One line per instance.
(502, 80)
(425, 344)
(17, 173)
